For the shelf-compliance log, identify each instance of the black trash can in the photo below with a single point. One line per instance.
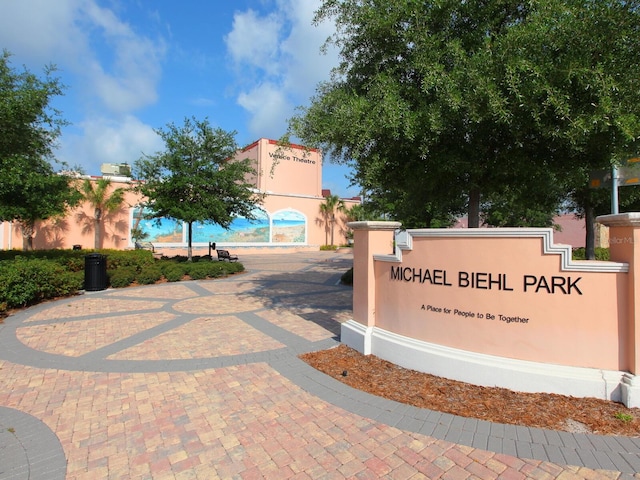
(95, 272)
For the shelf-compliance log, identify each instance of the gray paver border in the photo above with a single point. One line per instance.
(583, 450)
(29, 448)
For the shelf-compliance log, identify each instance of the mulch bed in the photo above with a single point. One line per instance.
(550, 411)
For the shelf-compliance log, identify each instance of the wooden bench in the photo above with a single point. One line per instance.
(224, 255)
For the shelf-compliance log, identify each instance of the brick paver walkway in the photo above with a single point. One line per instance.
(202, 380)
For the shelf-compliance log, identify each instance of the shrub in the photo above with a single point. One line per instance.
(69, 283)
(216, 269)
(204, 269)
(30, 277)
(347, 277)
(232, 267)
(128, 258)
(148, 275)
(72, 263)
(26, 281)
(122, 277)
(173, 272)
(327, 247)
(198, 271)
(601, 254)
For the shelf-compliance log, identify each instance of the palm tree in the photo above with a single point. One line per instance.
(102, 202)
(332, 203)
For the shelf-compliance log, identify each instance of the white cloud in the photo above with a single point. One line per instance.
(279, 62)
(268, 107)
(111, 68)
(253, 41)
(68, 32)
(136, 65)
(105, 140)
(306, 65)
(41, 31)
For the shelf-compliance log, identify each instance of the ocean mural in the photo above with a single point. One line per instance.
(242, 230)
(288, 226)
(285, 226)
(158, 230)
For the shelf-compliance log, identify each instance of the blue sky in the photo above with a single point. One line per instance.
(134, 65)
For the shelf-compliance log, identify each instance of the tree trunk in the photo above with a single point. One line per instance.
(189, 232)
(96, 234)
(326, 228)
(589, 226)
(27, 236)
(97, 237)
(474, 208)
(333, 222)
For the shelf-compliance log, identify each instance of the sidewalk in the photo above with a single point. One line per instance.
(202, 380)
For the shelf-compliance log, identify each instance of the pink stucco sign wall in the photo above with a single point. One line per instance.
(503, 307)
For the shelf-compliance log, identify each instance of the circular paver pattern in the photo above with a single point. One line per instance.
(202, 380)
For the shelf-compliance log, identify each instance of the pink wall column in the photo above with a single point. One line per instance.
(369, 238)
(624, 246)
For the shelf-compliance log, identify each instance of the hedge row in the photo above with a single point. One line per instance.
(27, 278)
(171, 270)
(600, 253)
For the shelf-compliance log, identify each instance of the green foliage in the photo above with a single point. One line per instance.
(138, 234)
(72, 263)
(327, 247)
(193, 179)
(105, 201)
(202, 270)
(332, 204)
(25, 281)
(69, 283)
(60, 256)
(173, 272)
(523, 205)
(122, 277)
(198, 271)
(501, 106)
(29, 125)
(233, 267)
(30, 190)
(600, 254)
(29, 277)
(137, 259)
(624, 417)
(149, 274)
(212, 269)
(217, 269)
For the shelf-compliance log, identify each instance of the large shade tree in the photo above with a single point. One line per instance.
(195, 179)
(37, 194)
(30, 189)
(480, 104)
(572, 68)
(28, 122)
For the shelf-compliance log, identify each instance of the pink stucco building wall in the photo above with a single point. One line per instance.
(288, 178)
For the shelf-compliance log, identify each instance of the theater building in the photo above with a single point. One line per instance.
(289, 179)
